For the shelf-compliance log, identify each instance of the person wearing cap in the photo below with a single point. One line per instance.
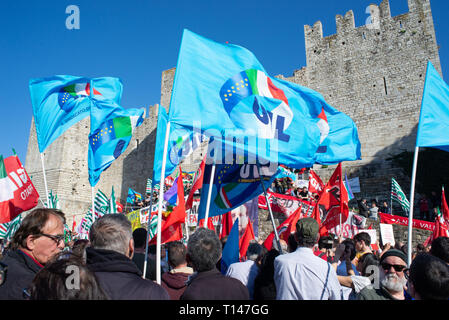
(392, 278)
(301, 275)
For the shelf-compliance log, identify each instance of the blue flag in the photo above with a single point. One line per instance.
(181, 143)
(227, 91)
(61, 101)
(111, 129)
(233, 186)
(231, 252)
(133, 196)
(433, 127)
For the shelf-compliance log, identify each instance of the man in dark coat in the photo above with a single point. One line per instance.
(112, 247)
(39, 238)
(203, 253)
(175, 281)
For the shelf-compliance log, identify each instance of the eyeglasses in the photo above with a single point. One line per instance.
(56, 238)
(397, 267)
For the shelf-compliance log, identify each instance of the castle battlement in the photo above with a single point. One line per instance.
(379, 20)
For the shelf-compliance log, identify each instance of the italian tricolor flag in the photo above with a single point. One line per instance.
(7, 188)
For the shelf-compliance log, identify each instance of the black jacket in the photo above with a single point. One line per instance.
(120, 278)
(212, 285)
(19, 275)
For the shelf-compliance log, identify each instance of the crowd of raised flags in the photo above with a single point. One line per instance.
(223, 95)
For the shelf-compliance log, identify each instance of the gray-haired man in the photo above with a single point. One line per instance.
(109, 256)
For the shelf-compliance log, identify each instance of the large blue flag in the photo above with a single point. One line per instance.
(231, 252)
(181, 143)
(224, 90)
(433, 127)
(234, 185)
(61, 101)
(111, 129)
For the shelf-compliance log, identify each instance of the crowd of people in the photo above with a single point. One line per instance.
(39, 265)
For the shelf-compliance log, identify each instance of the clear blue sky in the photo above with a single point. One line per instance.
(136, 40)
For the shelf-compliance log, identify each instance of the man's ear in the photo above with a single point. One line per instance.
(30, 242)
(131, 248)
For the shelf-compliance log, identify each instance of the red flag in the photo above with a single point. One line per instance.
(171, 229)
(119, 206)
(292, 225)
(333, 202)
(25, 195)
(315, 183)
(210, 224)
(246, 238)
(283, 227)
(444, 207)
(197, 184)
(226, 224)
(73, 226)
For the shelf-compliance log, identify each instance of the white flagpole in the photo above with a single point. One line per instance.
(209, 194)
(159, 212)
(148, 233)
(93, 202)
(410, 214)
(45, 178)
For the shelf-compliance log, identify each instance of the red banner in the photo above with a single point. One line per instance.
(403, 221)
(287, 205)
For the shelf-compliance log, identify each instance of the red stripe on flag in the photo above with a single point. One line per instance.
(276, 92)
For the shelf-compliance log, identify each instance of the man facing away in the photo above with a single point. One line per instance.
(109, 256)
(175, 281)
(248, 270)
(203, 252)
(301, 275)
(39, 238)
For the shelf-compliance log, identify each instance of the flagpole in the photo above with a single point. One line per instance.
(391, 199)
(45, 178)
(410, 214)
(148, 233)
(209, 194)
(269, 210)
(93, 202)
(159, 212)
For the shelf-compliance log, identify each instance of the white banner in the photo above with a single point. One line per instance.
(351, 227)
(386, 234)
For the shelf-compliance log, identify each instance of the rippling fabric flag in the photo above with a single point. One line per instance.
(333, 202)
(231, 250)
(226, 90)
(111, 130)
(61, 101)
(234, 185)
(133, 196)
(181, 143)
(433, 124)
(17, 192)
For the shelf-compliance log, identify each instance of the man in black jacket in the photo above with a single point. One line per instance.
(39, 238)
(203, 253)
(110, 254)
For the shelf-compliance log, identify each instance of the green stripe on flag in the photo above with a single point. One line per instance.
(252, 77)
(122, 127)
(3, 173)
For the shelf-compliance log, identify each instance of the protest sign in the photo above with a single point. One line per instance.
(386, 234)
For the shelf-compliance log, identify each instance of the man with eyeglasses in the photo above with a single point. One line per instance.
(393, 275)
(39, 238)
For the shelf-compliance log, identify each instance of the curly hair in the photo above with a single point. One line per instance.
(203, 250)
